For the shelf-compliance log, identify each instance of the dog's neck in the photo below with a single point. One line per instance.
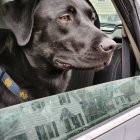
(36, 81)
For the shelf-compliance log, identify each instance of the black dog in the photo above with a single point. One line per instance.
(48, 39)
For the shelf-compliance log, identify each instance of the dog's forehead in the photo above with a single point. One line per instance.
(50, 7)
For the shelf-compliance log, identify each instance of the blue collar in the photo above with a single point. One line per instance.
(12, 86)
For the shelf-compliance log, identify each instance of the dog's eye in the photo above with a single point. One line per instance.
(65, 18)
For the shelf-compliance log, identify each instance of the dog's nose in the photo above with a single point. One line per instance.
(107, 45)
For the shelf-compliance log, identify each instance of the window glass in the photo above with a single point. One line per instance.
(106, 11)
(19, 137)
(110, 22)
(47, 118)
(40, 130)
(100, 0)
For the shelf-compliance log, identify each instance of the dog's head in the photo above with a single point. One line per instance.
(62, 33)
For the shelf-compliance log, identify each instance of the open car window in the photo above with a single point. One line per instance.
(109, 19)
(106, 15)
(72, 114)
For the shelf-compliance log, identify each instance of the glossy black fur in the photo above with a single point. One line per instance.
(38, 39)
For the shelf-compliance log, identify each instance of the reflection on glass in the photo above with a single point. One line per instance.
(42, 135)
(19, 137)
(48, 118)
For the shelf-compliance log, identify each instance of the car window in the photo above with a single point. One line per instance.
(109, 19)
(68, 114)
(106, 11)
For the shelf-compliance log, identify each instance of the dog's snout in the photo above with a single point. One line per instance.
(107, 45)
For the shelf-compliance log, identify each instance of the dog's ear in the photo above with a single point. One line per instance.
(19, 17)
(97, 21)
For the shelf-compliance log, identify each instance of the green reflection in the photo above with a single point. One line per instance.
(65, 115)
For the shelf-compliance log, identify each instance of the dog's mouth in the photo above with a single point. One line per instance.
(62, 65)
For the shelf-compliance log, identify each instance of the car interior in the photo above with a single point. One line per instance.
(115, 71)
(85, 78)
(123, 65)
